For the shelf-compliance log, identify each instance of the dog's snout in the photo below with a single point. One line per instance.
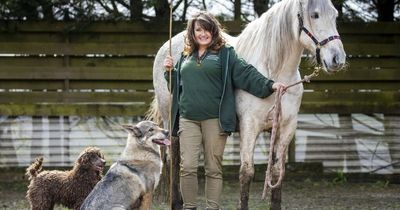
(165, 132)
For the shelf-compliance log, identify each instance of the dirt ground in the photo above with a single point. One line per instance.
(305, 194)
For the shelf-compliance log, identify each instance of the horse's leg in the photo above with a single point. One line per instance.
(248, 134)
(286, 133)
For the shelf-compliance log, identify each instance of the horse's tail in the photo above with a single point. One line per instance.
(154, 113)
(163, 189)
(35, 168)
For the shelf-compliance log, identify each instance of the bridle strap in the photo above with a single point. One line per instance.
(315, 40)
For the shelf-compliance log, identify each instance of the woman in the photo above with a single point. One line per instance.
(203, 107)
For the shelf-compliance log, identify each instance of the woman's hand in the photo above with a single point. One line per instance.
(278, 85)
(168, 63)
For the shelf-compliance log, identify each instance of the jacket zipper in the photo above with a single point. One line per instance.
(177, 85)
(223, 91)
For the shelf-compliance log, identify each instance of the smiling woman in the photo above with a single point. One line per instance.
(203, 109)
(273, 44)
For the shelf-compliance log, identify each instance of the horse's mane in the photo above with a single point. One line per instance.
(266, 41)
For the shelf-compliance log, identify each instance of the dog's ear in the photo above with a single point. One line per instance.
(133, 130)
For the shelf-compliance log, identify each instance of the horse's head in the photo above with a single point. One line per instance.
(318, 33)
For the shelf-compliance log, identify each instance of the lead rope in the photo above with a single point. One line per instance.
(277, 108)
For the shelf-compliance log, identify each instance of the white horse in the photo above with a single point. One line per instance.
(274, 44)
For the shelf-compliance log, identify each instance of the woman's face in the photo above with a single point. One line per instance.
(203, 37)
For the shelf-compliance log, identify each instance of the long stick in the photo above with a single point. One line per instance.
(170, 111)
(170, 70)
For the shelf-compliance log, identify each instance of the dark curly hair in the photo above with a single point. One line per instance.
(209, 23)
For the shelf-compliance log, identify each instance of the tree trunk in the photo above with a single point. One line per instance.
(29, 10)
(339, 7)
(238, 10)
(260, 6)
(162, 9)
(385, 10)
(47, 7)
(136, 9)
(185, 7)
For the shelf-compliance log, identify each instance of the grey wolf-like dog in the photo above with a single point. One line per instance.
(131, 181)
(69, 188)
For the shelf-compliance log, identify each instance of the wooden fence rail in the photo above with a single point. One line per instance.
(77, 82)
(105, 69)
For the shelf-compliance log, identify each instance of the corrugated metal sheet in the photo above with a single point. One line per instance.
(352, 143)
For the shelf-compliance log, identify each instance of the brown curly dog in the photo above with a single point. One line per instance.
(69, 188)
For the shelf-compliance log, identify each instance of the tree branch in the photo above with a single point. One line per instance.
(176, 5)
(115, 8)
(108, 9)
(204, 4)
(226, 6)
(123, 3)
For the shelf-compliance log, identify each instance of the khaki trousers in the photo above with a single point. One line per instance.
(194, 136)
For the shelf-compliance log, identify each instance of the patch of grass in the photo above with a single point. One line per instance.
(306, 194)
(340, 178)
(382, 183)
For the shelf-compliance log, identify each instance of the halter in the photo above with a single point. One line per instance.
(315, 40)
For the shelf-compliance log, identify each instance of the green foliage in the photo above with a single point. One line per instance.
(382, 183)
(340, 178)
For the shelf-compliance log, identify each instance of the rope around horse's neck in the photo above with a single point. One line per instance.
(275, 126)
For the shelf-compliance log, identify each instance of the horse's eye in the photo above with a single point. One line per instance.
(315, 15)
(151, 130)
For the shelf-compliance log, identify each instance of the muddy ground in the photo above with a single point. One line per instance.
(299, 192)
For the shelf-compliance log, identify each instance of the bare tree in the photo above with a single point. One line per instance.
(136, 9)
(162, 9)
(380, 10)
(260, 6)
(47, 9)
(385, 9)
(111, 7)
(238, 10)
(185, 7)
(339, 7)
(139, 10)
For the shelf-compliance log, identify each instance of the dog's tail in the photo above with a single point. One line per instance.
(35, 168)
(154, 113)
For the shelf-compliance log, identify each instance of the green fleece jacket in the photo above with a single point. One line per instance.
(237, 74)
